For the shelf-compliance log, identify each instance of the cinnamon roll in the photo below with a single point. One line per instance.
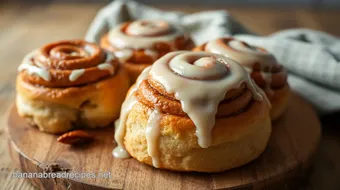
(193, 111)
(262, 66)
(70, 84)
(139, 43)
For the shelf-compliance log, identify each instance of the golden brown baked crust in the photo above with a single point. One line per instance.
(280, 101)
(58, 107)
(141, 58)
(237, 140)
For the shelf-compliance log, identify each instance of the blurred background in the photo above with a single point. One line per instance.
(261, 16)
(28, 24)
(326, 3)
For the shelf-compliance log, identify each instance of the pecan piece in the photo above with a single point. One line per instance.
(75, 137)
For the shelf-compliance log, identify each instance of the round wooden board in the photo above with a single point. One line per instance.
(294, 140)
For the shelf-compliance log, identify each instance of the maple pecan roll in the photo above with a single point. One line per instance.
(139, 43)
(70, 84)
(193, 111)
(262, 66)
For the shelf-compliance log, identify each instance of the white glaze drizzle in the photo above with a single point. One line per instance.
(75, 74)
(238, 51)
(148, 28)
(267, 76)
(106, 66)
(238, 45)
(110, 56)
(27, 64)
(122, 41)
(152, 134)
(196, 96)
(124, 54)
(143, 37)
(153, 54)
(246, 55)
(43, 73)
(81, 54)
(129, 102)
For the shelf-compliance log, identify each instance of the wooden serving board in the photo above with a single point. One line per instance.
(294, 140)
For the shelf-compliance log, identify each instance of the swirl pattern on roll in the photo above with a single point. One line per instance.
(143, 41)
(262, 65)
(201, 82)
(153, 94)
(148, 28)
(67, 63)
(198, 85)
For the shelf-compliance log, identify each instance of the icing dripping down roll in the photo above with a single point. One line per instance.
(192, 77)
(130, 101)
(198, 85)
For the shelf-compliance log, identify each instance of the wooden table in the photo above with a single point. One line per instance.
(24, 27)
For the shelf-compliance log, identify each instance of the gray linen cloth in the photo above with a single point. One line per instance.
(312, 58)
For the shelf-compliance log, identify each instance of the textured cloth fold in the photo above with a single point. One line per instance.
(312, 58)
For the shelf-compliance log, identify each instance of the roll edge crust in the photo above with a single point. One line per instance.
(57, 110)
(280, 101)
(237, 140)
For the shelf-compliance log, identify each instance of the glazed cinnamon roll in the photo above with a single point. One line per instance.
(262, 66)
(193, 111)
(139, 43)
(70, 84)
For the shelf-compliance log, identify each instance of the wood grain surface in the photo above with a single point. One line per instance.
(25, 26)
(294, 140)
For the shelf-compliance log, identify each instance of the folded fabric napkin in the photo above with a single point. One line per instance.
(312, 58)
